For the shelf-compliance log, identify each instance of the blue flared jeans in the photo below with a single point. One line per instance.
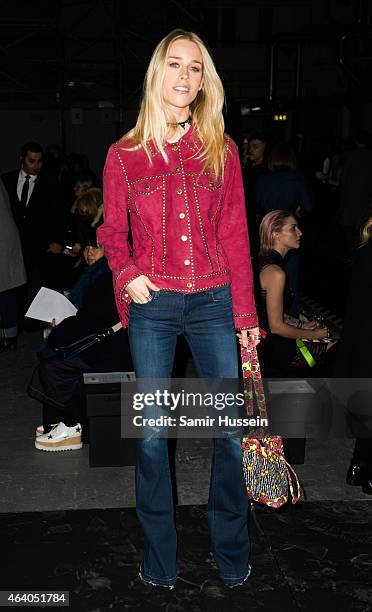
(205, 319)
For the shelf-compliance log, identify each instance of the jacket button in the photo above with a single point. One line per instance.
(177, 169)
(179, 191)
(187, 262)
(175, 147)
(189, 285)
(183, 238)
(182, 215)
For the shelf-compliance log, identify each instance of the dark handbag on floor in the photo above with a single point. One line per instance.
(267, 474)
(75, 348)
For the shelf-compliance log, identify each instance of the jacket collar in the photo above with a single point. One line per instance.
(190, 140)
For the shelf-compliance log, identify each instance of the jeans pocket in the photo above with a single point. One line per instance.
(221, 294)
(154, 298)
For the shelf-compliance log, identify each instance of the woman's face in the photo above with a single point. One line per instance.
(93, 254)
(290, 234)
(183, 76)
(80, 188)
(256, 149)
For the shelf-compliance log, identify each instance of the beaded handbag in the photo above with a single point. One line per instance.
(267, 473)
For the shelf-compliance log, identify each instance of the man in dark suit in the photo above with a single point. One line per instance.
(38, 212)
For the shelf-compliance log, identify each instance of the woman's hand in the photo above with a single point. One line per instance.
(319, 333)
(139, 289)
(310, 325)
(249, 335)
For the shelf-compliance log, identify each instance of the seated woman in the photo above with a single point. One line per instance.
(87, 213)
(58, 381)
(279, 353)
(86, 216)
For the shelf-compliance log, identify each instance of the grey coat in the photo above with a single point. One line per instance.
(12, 270)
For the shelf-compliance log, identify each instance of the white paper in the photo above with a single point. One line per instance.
(48, 305)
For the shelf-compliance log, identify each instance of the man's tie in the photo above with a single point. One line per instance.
(24, 193)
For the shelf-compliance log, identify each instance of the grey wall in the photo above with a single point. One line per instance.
(92, 137)
(19, 126)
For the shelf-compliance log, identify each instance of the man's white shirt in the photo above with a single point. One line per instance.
(21, 181)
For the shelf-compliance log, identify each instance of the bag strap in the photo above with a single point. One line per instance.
(290, 469)
(305, 353)
(253, 385)
(77, 347)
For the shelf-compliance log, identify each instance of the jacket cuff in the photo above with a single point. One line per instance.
(125, 276)
(245, 320)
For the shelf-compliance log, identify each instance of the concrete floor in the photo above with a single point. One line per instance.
(31, 480)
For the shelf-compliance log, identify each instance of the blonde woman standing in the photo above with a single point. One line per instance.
(186, 272)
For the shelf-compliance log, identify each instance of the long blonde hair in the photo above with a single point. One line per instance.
(366, 233)
(206, 109)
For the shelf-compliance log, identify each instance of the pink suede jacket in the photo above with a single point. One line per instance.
(189, 230)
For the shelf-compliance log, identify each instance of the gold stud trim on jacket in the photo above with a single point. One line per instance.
(125, 269)
(201, 225)
(193, 277)
(149, 177)
(194, 290)
(163, 229)
(121, 164)
(149, 235)
(189, 232)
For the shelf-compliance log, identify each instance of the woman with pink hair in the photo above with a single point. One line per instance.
(279, 233)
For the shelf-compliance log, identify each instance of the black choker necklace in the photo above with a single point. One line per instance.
(181, 123)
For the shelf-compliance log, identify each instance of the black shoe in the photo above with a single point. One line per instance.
(367, 486)
(8, 344)
(355, 474)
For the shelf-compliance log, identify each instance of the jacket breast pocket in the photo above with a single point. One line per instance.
(146, 187)
(208, 190)
(147, 201)
(207, 182)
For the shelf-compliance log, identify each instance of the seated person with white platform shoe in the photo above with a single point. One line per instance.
(58, 381)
